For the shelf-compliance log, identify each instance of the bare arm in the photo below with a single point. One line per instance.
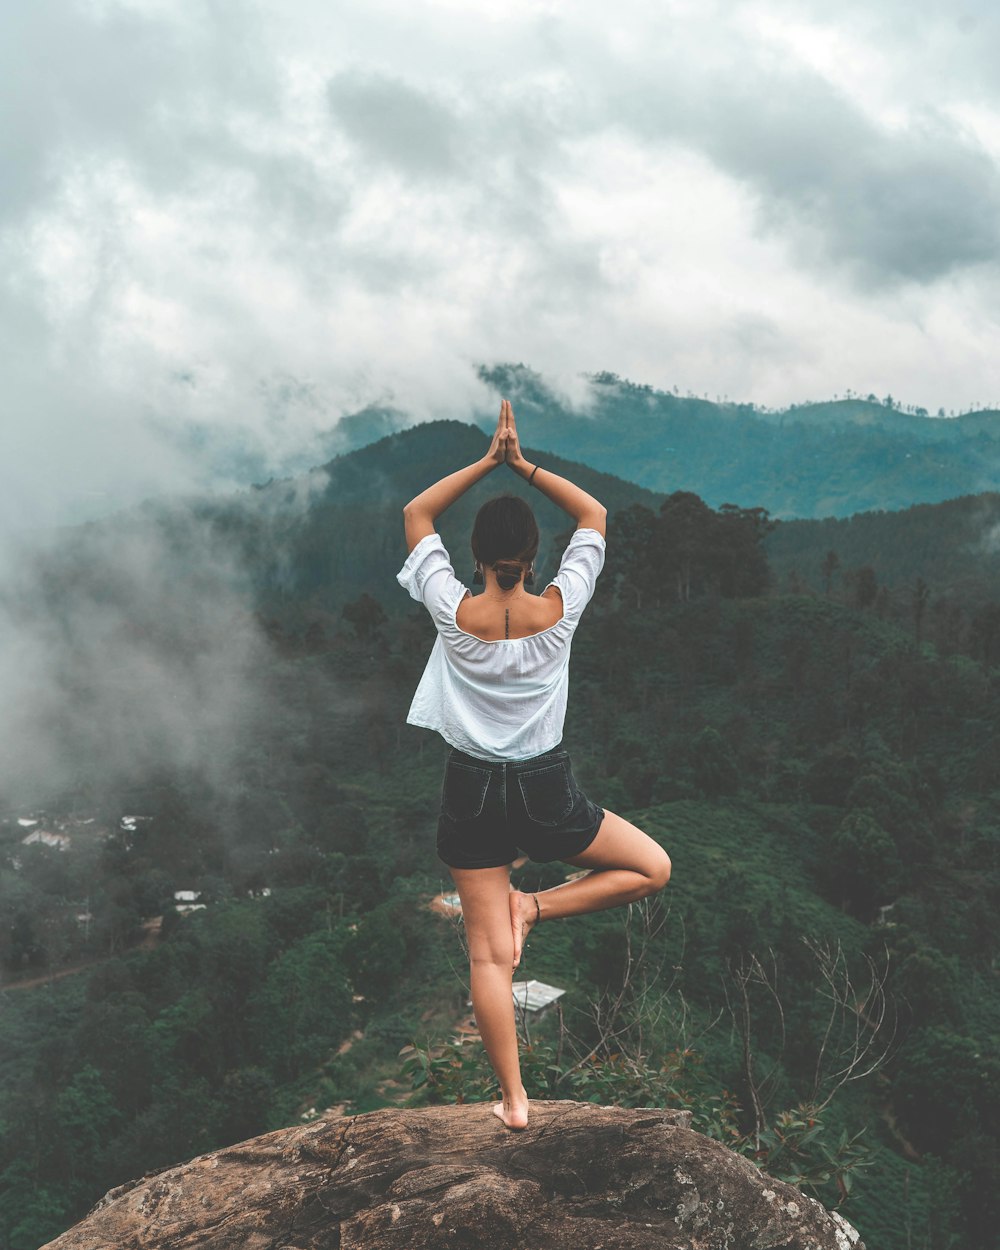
(423, 510)
(583, 508)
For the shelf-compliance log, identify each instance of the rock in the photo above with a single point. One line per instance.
(580, 1177)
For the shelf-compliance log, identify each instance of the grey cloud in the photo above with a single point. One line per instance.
(901, 205)
(502, 155)
(759, 338)
(80, 86)
(396, 123)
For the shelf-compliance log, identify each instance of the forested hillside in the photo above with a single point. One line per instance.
(824, 772)
(810, 460)
(952, 547)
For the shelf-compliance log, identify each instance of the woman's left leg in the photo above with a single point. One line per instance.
(625, 864)
(485, 895)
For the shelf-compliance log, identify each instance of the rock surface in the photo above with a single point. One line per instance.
(580, 1177)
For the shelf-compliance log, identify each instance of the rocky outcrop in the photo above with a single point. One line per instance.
(580, 1177)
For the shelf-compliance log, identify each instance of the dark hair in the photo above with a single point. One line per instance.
(505, 533)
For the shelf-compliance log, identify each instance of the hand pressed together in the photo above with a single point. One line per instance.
(505, 447)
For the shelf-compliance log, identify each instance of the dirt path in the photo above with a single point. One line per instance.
(150, 936)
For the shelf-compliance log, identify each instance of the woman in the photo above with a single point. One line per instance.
(495, 688)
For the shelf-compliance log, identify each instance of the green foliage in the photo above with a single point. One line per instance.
(32, 1214)
(685, 549)
(303, 1006)
(793, 1148)
(865, 868)
(716, 772)
(89, 1115)
(459, 1072)
(381, 950)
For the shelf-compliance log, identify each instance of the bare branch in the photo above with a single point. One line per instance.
(860, 1034)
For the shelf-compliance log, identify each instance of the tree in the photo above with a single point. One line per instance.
(831, 563)
(865, 587)
(738, 547)
(683, 540)
(864, 863)
(87, 1116)
(985, 635)
(855, 1040)
(921, 593)
(380, 952)
(246, 1097)
(715, 769)
(302, 1009)
(634, 528)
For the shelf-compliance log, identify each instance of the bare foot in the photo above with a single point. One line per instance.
(523, 916)
(513, 1111)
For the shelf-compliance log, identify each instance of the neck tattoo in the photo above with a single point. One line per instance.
(506, 622)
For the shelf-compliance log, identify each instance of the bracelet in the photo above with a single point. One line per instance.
(532, 474)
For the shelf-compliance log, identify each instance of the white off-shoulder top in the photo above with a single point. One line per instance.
(502, 700)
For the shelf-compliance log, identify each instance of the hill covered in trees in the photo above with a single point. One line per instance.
(953, 546)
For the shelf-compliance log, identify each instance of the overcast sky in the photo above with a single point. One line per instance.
(226, 222)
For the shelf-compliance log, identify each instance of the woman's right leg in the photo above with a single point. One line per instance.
(626, 865)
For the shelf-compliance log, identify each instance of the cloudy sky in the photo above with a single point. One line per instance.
(225, 223)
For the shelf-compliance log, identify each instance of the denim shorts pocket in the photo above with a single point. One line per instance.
(547, 793)
(464, 791)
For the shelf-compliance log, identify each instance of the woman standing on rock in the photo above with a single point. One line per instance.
(495, 688)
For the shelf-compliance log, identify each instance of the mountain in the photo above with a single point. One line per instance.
(808, 461)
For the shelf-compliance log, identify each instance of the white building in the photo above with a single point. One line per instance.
(58, 840)
(535, 996)
(186, 900)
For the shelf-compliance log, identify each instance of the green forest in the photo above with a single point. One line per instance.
(803, 713)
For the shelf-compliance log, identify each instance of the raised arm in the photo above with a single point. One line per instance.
(423, 510)
(583, 508)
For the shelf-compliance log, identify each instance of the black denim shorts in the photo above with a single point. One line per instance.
(490, 811)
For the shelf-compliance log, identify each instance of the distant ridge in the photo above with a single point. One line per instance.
(874, 414)
(813, 460)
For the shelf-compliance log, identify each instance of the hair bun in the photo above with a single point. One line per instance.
(508, 574)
